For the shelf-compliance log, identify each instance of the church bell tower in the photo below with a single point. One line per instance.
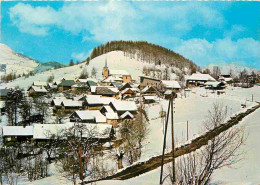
(105, 70)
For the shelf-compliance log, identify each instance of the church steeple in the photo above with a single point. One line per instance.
(106, 63)
(105, 70)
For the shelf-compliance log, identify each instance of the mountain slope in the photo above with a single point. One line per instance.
(15, 62)
(144, 51)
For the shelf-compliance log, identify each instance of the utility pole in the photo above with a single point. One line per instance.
(170, 106)
(173, 159)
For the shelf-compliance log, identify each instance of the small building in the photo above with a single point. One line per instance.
(215, 85)
(17, 133)
(39, 84)
(112, 117)
(128, 93)
(127, 118)
(150, 91)
(66, 85)
(198, 79)
(150, 99)
(45, 132)
(3, 94)
(88, 116)
(37, 91)
(96, 102)
(80, 87)
(107, 91)
(56, 103)
(71, 105)
(147, 81)
(120, 107)
(169, 85)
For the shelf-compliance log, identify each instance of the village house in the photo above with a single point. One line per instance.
(69, 105)
(96, 102)
(120, 107)
(197, 79)
(3, 94)
(128, 93)
(37, 91)
(105, 91)
(45, 132)
(147, 81)
(127, 118)
(40, 84)
(225, 78)
(66, 85)
(215, 85)
(150, 91)
(56, 103)
(17, 133)
(80, 87)
(150, 99)
(88, 116)
(112, 117)
(169, 85)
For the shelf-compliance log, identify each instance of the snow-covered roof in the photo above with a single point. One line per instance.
(124, 105)
(126, 114)
(125, 90)
(39, 83)
(110, 114)
(17, 131)
(90, 115)
(168, 92)
(97, 99)
(202, 77)
(71, 103)
(118, 72)
(45, 131)
(39, 89)
(111, 79)
(150, 97)
(213, 84)
(171, 84)
(148, 88)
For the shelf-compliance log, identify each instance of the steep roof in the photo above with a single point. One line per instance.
(71, 103)
(201, 77)
(106, 91)
(66, 83)
(124, 105)
(39, 89)
(39, 83)
(91, 115)
(126, 114)
(171, 84)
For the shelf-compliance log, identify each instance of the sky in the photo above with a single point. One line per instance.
(204, 32)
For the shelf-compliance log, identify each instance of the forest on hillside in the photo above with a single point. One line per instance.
(145, 51)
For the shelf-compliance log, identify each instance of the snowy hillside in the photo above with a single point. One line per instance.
(15, 62)
(226, 68)
(115, 60)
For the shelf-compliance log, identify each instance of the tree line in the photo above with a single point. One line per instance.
(145, 51)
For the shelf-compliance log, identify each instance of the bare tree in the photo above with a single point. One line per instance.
(223, 150)
(94, 72)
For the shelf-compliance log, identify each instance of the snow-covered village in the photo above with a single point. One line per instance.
(126, 112)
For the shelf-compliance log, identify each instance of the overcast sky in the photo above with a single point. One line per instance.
(205, 32)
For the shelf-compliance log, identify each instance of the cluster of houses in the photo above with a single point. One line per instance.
(100, 105)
